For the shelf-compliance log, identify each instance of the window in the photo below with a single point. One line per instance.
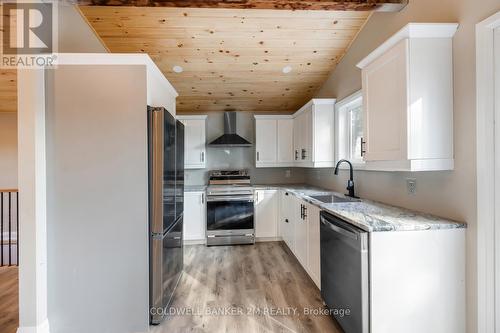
(349, 120)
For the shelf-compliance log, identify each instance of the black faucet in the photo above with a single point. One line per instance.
(350, 182)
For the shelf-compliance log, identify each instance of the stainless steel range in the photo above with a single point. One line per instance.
(230, 210)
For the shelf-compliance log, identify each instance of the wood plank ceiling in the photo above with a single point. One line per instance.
(8, 90)
(233, 59)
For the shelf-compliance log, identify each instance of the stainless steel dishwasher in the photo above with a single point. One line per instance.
(344, 273)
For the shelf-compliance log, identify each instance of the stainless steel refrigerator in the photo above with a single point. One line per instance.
(166, 192)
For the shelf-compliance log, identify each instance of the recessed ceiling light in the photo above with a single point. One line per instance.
(178, 69)
(287, 69)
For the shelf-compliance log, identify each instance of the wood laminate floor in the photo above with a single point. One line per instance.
(259, 288)
(9, 299)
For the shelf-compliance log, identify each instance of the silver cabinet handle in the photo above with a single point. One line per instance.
(257, 156)
(296, 154)
(303, 154)
(202, 156)
(305, 212)
(202, 198)
(363, 149)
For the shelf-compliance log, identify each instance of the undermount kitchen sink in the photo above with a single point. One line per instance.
(331, 198)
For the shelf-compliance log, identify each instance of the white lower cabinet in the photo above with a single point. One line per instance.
(299, 228)
(266, 213)
(300, 252)
(287, 222)
(313, 244)
(195, 215)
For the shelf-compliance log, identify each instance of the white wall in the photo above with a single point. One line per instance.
(97, 199)
(8, 150)
(75, 34)
(448, 194)
(239, 157)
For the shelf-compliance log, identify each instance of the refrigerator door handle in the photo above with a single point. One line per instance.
(156, 169)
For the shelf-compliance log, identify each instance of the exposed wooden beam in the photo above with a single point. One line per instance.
(350, 5)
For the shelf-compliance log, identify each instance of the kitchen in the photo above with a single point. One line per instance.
(263, 167)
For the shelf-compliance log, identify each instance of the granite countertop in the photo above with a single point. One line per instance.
(369, 215)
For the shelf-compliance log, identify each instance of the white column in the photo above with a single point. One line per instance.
(32, 202)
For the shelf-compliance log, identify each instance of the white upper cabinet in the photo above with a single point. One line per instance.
(285, 141)
(408, 100)
(314, 134)
(266, 134)
(194, 141)
(273, 141)
(305, 139)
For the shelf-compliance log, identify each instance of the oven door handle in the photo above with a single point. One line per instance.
(245, 198)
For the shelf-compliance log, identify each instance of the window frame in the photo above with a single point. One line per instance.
(343, 129)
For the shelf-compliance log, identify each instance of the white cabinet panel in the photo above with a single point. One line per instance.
(287, 221)
(418, 288)
(300, 223)
(194, 141)
(273, 141)
(195, 212)
(408, 100)
(265, 141)
(385, 98)
(285, 141)
(266, 213)
(313, 136)
(313, 242)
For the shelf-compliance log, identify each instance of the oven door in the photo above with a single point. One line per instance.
(228, 215)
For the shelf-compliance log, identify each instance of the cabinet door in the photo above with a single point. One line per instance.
(194, 143)
(194, 215)
(313, 241)
(266, 213)
(265, 141)
(306, 147)
(297, 138)
(285, 141)
(385, 105)
(287, 224)
(300, 232)
(284, 222)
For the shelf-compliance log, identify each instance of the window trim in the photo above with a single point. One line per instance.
(348, 101)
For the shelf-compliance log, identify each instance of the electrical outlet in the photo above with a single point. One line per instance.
(411, 186)
(288, 173)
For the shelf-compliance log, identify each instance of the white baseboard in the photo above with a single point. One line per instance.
(268, 239)
(42, 328)
(257, 239)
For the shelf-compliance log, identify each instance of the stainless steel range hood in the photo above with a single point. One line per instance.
(230, 138)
